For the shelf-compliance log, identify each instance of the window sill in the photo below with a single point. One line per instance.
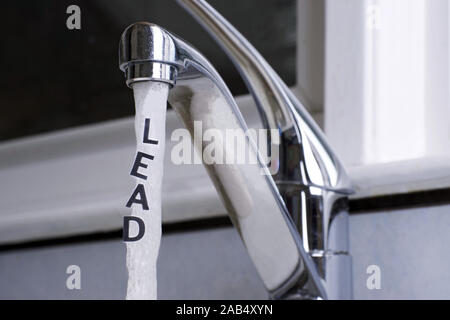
(76, 181)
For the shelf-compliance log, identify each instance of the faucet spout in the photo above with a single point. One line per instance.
(294, 223)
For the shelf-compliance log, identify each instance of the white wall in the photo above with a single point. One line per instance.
(410, 247)
(387, 79)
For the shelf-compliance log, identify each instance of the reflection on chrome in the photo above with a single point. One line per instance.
(294, 224)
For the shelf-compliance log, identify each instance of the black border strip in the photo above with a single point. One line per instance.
(167, 228)
(358, 206)
(196, 225)
(415, 199)
(79, 239)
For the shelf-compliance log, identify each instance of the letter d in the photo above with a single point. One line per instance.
(126, 229)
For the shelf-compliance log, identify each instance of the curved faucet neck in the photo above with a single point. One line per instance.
(294, 222)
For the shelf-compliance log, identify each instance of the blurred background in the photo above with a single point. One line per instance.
(374, 74)
(69, 78)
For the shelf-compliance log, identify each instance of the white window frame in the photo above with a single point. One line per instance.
(76, 181)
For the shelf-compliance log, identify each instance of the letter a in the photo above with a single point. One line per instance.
(374, 280)
(74, 280)
(74, 20)
(142, 200)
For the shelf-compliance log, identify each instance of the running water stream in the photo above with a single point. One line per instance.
(150, 101)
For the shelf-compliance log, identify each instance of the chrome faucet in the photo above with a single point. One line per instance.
(294, 223)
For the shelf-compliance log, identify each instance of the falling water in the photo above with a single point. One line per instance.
(150, 100)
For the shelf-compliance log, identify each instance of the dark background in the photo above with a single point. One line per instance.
(55, 78)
